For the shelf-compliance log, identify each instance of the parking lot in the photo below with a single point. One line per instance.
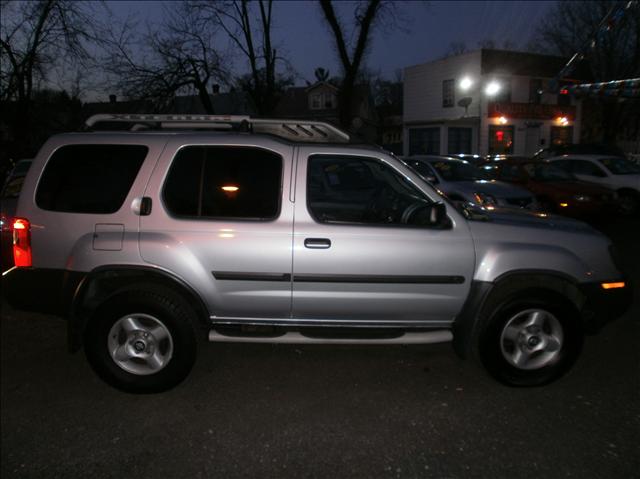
(323, 411)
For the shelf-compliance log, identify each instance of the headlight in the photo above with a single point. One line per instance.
(582, 198)
(484, 199)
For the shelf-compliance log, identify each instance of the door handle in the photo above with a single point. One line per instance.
(317, 243)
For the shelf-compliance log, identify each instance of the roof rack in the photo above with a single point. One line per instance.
(295, 130)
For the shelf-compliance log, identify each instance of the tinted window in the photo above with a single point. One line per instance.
(224, 182)
(620, 166)
(361, 191)
(452, 170)
(580, 167)
(89, 178)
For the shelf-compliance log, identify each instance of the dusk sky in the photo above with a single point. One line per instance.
(427, 30)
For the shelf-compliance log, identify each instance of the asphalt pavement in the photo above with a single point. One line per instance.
(323, 411)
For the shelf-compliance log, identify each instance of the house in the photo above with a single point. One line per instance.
(320, 102)
(487, 102)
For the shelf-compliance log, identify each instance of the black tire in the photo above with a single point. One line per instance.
(629, 203)
(498, 352)
(153, 309)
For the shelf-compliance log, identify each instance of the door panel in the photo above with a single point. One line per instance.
(240, 266)
(372, 271)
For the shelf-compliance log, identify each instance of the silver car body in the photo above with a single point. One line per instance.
(353, 282)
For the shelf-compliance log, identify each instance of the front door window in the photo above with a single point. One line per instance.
(500, 140)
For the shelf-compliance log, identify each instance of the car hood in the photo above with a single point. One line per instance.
(498, 189)
(525, 218)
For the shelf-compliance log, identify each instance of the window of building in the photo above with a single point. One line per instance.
(424, 141)
(224, 182)
(89, 178)
(561, 135)
(535, 91)
(360, 190)
(459, 140)
(500, 139)
(323, 101)
(448, 93)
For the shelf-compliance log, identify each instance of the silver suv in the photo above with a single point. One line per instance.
(237, 229)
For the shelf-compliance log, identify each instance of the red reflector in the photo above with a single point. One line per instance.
(21, 243)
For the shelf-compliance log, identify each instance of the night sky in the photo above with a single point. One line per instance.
(426, 30)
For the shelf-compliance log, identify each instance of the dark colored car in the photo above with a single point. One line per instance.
(10, 193)
(556, 190)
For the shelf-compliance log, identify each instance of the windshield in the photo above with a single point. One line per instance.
(458, 171)
(547, 172)
(620, 166)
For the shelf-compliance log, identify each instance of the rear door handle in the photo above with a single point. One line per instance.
(317, 243)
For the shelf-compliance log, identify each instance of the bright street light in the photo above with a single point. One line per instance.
(492, 88)
(465, 83)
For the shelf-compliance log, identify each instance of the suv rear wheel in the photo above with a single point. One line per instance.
(531, 341)
(142, 341)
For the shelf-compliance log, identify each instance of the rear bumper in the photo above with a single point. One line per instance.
(604, 305)
(48, 291)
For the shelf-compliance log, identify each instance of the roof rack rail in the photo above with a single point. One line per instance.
(295, 130)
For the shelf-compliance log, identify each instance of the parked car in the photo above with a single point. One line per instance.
(462, 182)
(613, 172)
(285, 231)
(578, 149)
(556, 190)
(8, 202)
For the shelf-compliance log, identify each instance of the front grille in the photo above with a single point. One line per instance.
(524, 202)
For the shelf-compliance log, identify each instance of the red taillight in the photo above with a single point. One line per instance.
(21, 243)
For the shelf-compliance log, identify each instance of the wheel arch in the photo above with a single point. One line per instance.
(105, 282)
(486, 297)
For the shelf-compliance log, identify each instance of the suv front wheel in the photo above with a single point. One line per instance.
(142, 341)
(531, 341)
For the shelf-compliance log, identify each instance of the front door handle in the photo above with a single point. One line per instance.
(317, 243)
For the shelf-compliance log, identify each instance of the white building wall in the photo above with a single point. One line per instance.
(423, 88)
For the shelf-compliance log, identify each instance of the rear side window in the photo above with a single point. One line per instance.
(89, 178)
(224, 182)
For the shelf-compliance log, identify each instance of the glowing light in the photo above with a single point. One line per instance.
(563, 120)
(230, 188)
(466, 83)
(502, 120)
(619, 284)
(564, 205)
(492, 88)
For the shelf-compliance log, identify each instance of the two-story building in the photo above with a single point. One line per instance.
(487, 102)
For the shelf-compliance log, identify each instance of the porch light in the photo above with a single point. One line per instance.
(502, 120)
(230, 189)
(563, 120)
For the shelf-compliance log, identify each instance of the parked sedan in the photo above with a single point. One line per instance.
(460, 181)
(613, 172)
(556, 190)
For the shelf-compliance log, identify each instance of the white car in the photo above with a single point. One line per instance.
(614, 172)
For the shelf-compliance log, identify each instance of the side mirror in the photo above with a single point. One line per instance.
(438, 214)
(431, 179)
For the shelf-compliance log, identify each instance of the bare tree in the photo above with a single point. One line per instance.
(179, 56)
(612, 52)
(38, 35)
(351, 56)
(250, 32)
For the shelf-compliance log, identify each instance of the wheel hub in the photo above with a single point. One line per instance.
(140, 344)
(532, 339)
